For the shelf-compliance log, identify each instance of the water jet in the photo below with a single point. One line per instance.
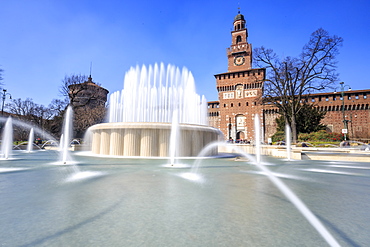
(30, 141)
(7, 141)
(288, 141)
(141, 116)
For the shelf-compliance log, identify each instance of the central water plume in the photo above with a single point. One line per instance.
(152, 95)
(141, 116)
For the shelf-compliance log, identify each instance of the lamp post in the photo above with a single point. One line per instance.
(4, 97)
(345, 122)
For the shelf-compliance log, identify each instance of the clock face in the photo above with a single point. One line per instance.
(239, 60)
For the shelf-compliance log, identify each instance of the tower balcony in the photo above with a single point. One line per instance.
(239, 48)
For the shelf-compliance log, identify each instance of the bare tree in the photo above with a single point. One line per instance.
(85, 117)
(290, 80)
(47, 118)
(57, 106)
(77, 89)
(87, 99)
(1, 78)
(71, 80)
(25, 108)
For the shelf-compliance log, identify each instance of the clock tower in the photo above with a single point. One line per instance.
(240, 52)
(239, 89)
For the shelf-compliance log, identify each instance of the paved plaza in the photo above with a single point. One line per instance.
(141, 202)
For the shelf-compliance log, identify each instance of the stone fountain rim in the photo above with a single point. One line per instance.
(150, 125)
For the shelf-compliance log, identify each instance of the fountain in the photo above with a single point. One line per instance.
(355, 145)
(61, 143)
(66, 137)
(7, 142)
(288, 141)
(174, 142)
(140, 116)
(30, 141)
(141, 201)
(225, 196)
(257, 134)
(290, 195)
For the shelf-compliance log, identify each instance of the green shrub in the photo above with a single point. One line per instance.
(321, 135)
(304, 137)
(278, 136)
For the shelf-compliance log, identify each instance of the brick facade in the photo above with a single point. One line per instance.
(240, 98)
(239, 89)
(87, 94)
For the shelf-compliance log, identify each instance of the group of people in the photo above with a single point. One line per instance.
(240, 141)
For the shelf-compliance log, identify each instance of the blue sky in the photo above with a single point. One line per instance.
(42, 41)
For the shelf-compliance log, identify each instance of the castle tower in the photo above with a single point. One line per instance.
(240, 52)
(88, 101)
(240, 89)
(88, 94)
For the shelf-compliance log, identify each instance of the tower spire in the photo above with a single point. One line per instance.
(90, 69)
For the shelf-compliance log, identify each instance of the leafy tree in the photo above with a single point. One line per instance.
(308, 120)
(290, 80)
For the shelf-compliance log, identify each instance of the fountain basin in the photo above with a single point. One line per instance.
(150, 139)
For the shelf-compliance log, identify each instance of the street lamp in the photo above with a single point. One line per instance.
(4, 97)
(345, 122)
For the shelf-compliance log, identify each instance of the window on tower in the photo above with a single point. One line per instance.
(238, 39)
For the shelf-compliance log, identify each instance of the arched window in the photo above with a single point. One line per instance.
(238, 39)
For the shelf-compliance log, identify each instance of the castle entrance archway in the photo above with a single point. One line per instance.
(240, 127)
(240, 135)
